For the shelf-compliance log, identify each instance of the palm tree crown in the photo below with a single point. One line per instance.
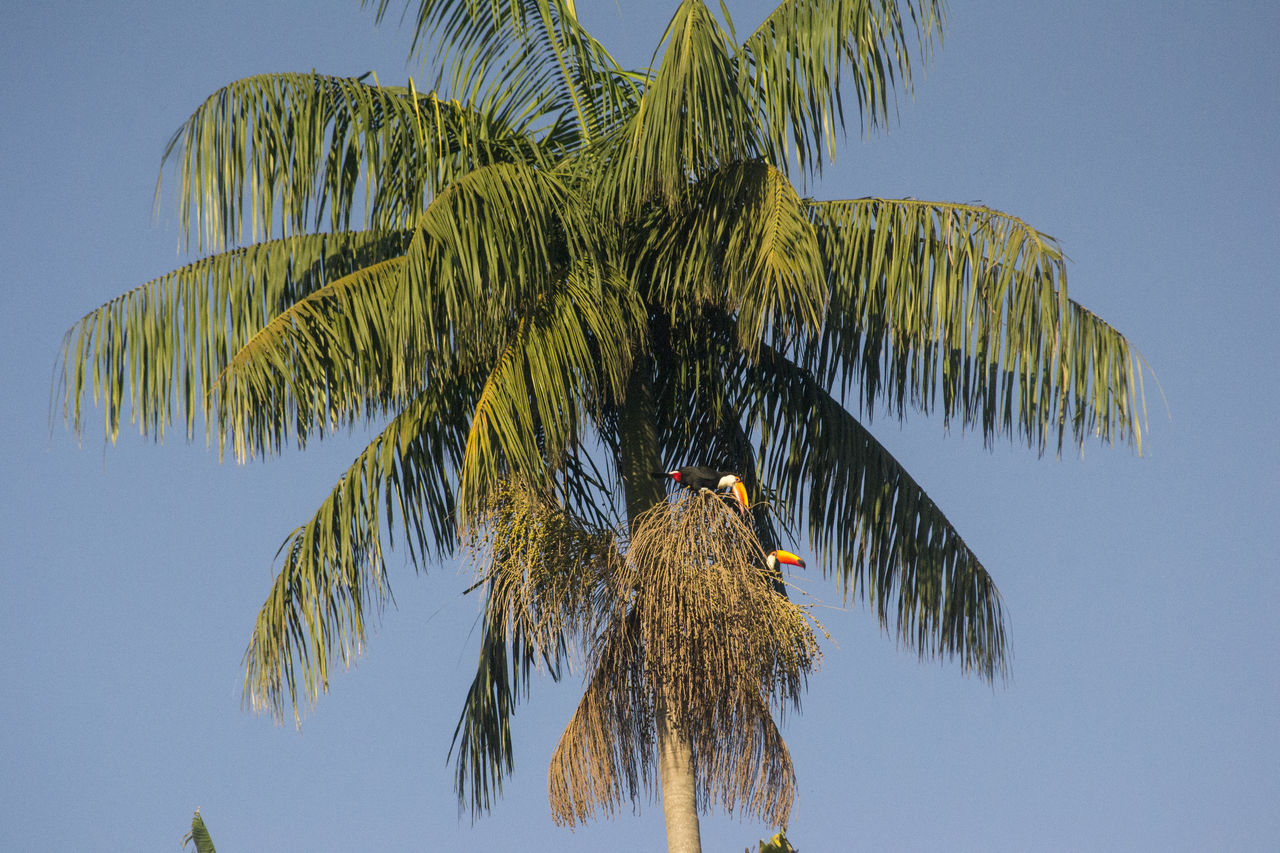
(551, 270)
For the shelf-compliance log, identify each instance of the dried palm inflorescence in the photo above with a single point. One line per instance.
(549, 576)
(704, 639)
(547, 579)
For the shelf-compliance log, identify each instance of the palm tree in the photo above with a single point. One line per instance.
(551, 270)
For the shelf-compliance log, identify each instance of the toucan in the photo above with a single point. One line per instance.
(703, 477)
(776, 559)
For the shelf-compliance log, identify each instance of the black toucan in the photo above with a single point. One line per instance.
(703, 477)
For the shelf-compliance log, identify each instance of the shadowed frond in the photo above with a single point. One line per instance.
(963, 300)
(801, 54)
(292, 151)
(162, 346)
(707, 425)
(871, 523)
(482, 750)
(334, 575)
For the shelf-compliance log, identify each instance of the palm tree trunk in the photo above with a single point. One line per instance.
(679, 791)
(639, 459)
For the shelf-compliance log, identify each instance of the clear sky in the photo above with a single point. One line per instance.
(1144, 711)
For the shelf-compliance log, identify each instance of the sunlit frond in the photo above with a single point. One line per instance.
(871, 524)
(526, 58)
(158, 349)
(323, 363)
(570, 352)
(483, 251)
(971, 303)
(741, 241)
(198, 837)
(298, 152)
(805, 50)
(694, 117)
(334, 578)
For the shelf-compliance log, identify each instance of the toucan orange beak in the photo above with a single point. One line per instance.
(740, 494)
(789, 558)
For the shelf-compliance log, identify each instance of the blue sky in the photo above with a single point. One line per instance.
(1141, 591)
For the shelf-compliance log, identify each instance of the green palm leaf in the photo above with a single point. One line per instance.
(565, 358)
(198, 836)
(797, 60)
(487, 246)
(871, 523)
(482, 748)
(971, 303)
(323, 363)
(694, 117)
(741, 241)
(334, 576)
(527, 58)
(301, 147)
(162, 345)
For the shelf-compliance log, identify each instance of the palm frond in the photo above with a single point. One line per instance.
(483, 250)
(161, 346)
(323, 363)
(198, 836)
(334, 576)
(694, 117)
(566, 356)
(482, 738)
(293, 151)
(526, 58)
(741, 241)
(801, 54)
(871, 524)
(970, 302)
